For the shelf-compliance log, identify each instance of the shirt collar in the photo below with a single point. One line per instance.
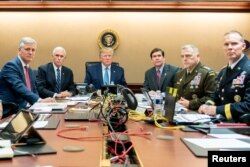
(104, 67)
(235, 63)
(55, 67)
(23, 64)
(161, 68)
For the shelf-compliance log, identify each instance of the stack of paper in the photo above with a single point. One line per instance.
(5, 149)
(47, 107)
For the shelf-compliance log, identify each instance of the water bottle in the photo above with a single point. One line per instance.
(158, 103)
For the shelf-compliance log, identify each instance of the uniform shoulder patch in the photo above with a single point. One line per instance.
(207, 68)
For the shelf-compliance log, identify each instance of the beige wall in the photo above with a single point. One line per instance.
(139, 32)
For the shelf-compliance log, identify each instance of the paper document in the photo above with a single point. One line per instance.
(192, 118)
(5, 149)
(40, 124)
(79, 98)
(43, 107)
(229, 136)
(216, 144)
(4, 124)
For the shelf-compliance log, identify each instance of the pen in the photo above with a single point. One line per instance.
(231, 124)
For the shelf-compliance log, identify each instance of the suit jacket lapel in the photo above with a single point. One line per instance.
(154, 80)
(99, 73)
(52, 73)
(20, 66)
(62, 77)
(163, 75)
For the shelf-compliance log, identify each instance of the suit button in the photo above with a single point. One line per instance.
(222, 98)
(222, 90)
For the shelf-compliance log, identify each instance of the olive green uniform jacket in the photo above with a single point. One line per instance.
(197, 87)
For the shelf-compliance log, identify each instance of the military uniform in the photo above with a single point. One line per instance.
(197, 87)
(232, 96)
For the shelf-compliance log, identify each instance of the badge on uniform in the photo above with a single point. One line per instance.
(196, 81)
(237, 98)
(179, 82)
(239, 81)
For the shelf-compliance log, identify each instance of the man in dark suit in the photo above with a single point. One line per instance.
(232, 96)
(105, 73)
(161, 75)
(54, 79)
(195, 83)
(17, 82)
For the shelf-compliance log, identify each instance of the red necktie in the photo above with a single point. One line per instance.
(27, 77)
(158, 77)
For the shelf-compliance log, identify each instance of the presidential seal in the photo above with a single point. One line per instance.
(108, 39)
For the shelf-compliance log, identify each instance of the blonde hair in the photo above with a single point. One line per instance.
(105, 50)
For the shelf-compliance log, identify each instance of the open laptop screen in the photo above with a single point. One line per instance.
(148, 98)
(18, 126)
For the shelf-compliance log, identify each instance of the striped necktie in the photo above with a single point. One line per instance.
(58, 80)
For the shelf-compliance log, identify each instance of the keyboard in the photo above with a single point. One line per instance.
(80, 116)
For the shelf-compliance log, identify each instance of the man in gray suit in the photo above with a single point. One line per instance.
(161, 75)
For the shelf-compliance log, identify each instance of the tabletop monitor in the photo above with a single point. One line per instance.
(18, 126)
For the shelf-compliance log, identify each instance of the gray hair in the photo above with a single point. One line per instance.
(26, 40)
(191, 48)
(235, 32)
(59, 48)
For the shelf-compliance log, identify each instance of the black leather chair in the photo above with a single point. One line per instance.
(91, 63)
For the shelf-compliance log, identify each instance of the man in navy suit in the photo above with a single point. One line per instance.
(54, 79)
(232, 96)
(17, 82)
(161, 75)
(105, 73)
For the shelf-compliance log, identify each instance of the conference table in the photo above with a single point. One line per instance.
(150, 151)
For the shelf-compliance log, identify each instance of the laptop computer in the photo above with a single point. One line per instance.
(187, 118)
(148, 98)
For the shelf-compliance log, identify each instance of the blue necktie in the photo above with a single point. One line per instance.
(106, 77)
(58, 81)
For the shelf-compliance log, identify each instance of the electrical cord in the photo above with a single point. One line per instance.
(164, 123)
